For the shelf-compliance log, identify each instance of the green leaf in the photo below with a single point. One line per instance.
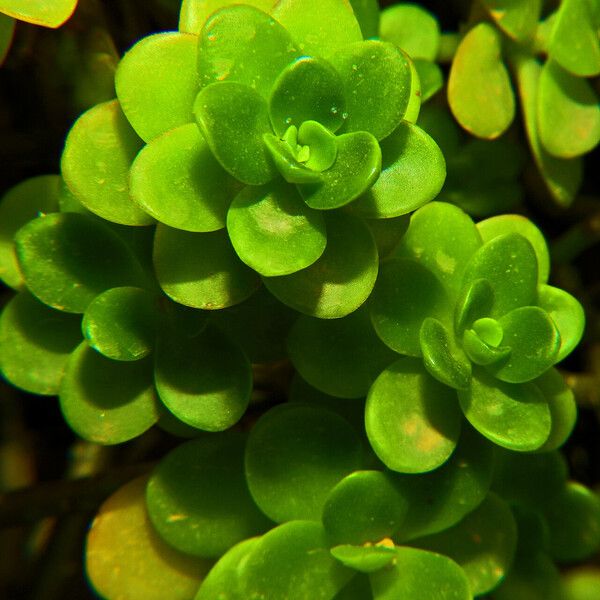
(39, 12)
(574, 520)
(354, 171)
(154, 96)
(273, 231)
(201, 270)
(321, 143)
(176, 179)
(319, 27)
(107, 401)
(438, 122)
(574, 40)
(442, 357)
(566, 313)
(204, 379)
(514, 416)
(478, 77)
(125, 556)
(367, 15)
(411, 28)
(233, 118)
(412, 421)
(347, 347)
(562, 177)
(309, 89)
(35, 343)
(22, 203)
(509, 263)
(495, 226)
(414, 101)
(244, 44)
(581, 584)
(67, 259)
(442, 238)
(338, 282)
(376, 78)
(198, 500)
(516, 18)
(441, 498)
(431, 78)
(475, 302)
(563, 409)
(421, 574)
(481, 352)
(413, 173)
(533, 340)
(121, 323)
(405, 295)
(388, 233)
(95, 164)
(364, 508)
(285, 154)
(569, 100)
(295, 455)
(366, 559)
(7, 30)
(483, 544)
(194, 13)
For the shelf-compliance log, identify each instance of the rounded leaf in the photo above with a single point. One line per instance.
(295, 455)
(39, 12)
(431, 78)
(412, 421)
(517, 19)
(155, 96)
(194, 13)
(176, 179)
(273, 231)
(107, 401)
(95, 164)
(366, 559)
(198, 500)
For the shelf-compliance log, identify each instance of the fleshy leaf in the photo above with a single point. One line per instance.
(60, 260)
(438, 122)
(35, 343)
(154, 96)
(442, 238)
(442, 357)
(567, 315)
(405, 295)
(121, 323)
(431, 78)
(347, 347)
(482, 353)
(366, 559)
(273, 231)
(411, 28)
(517, 19)
(198, 500)
(309, 89)
(364, 508)
(233, 118)
(514, 416)
(244, 44)
(201, 270)
(571, 101)
(176, 179)
(414, 100)
(286, 159)
(322, 145)
(509, 263)
(205, 380)
(388, 233)
(39, 12)
(295, 455)
(501, 224)
(21, 204)
(574, 39)
(483, 544)
(7, 30)
(338, 282)
(95, 164)
(412, 421)
(413, 173)
(194, 13)
(533, 339)
(561, 176)
(320, 27)
(293, 562)
(478, 77)
(367, 15)
(107, 401)
(126, 557)
(354, 171)
(421, 574)
(376, 78)
(441, 498)
(475, 302)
